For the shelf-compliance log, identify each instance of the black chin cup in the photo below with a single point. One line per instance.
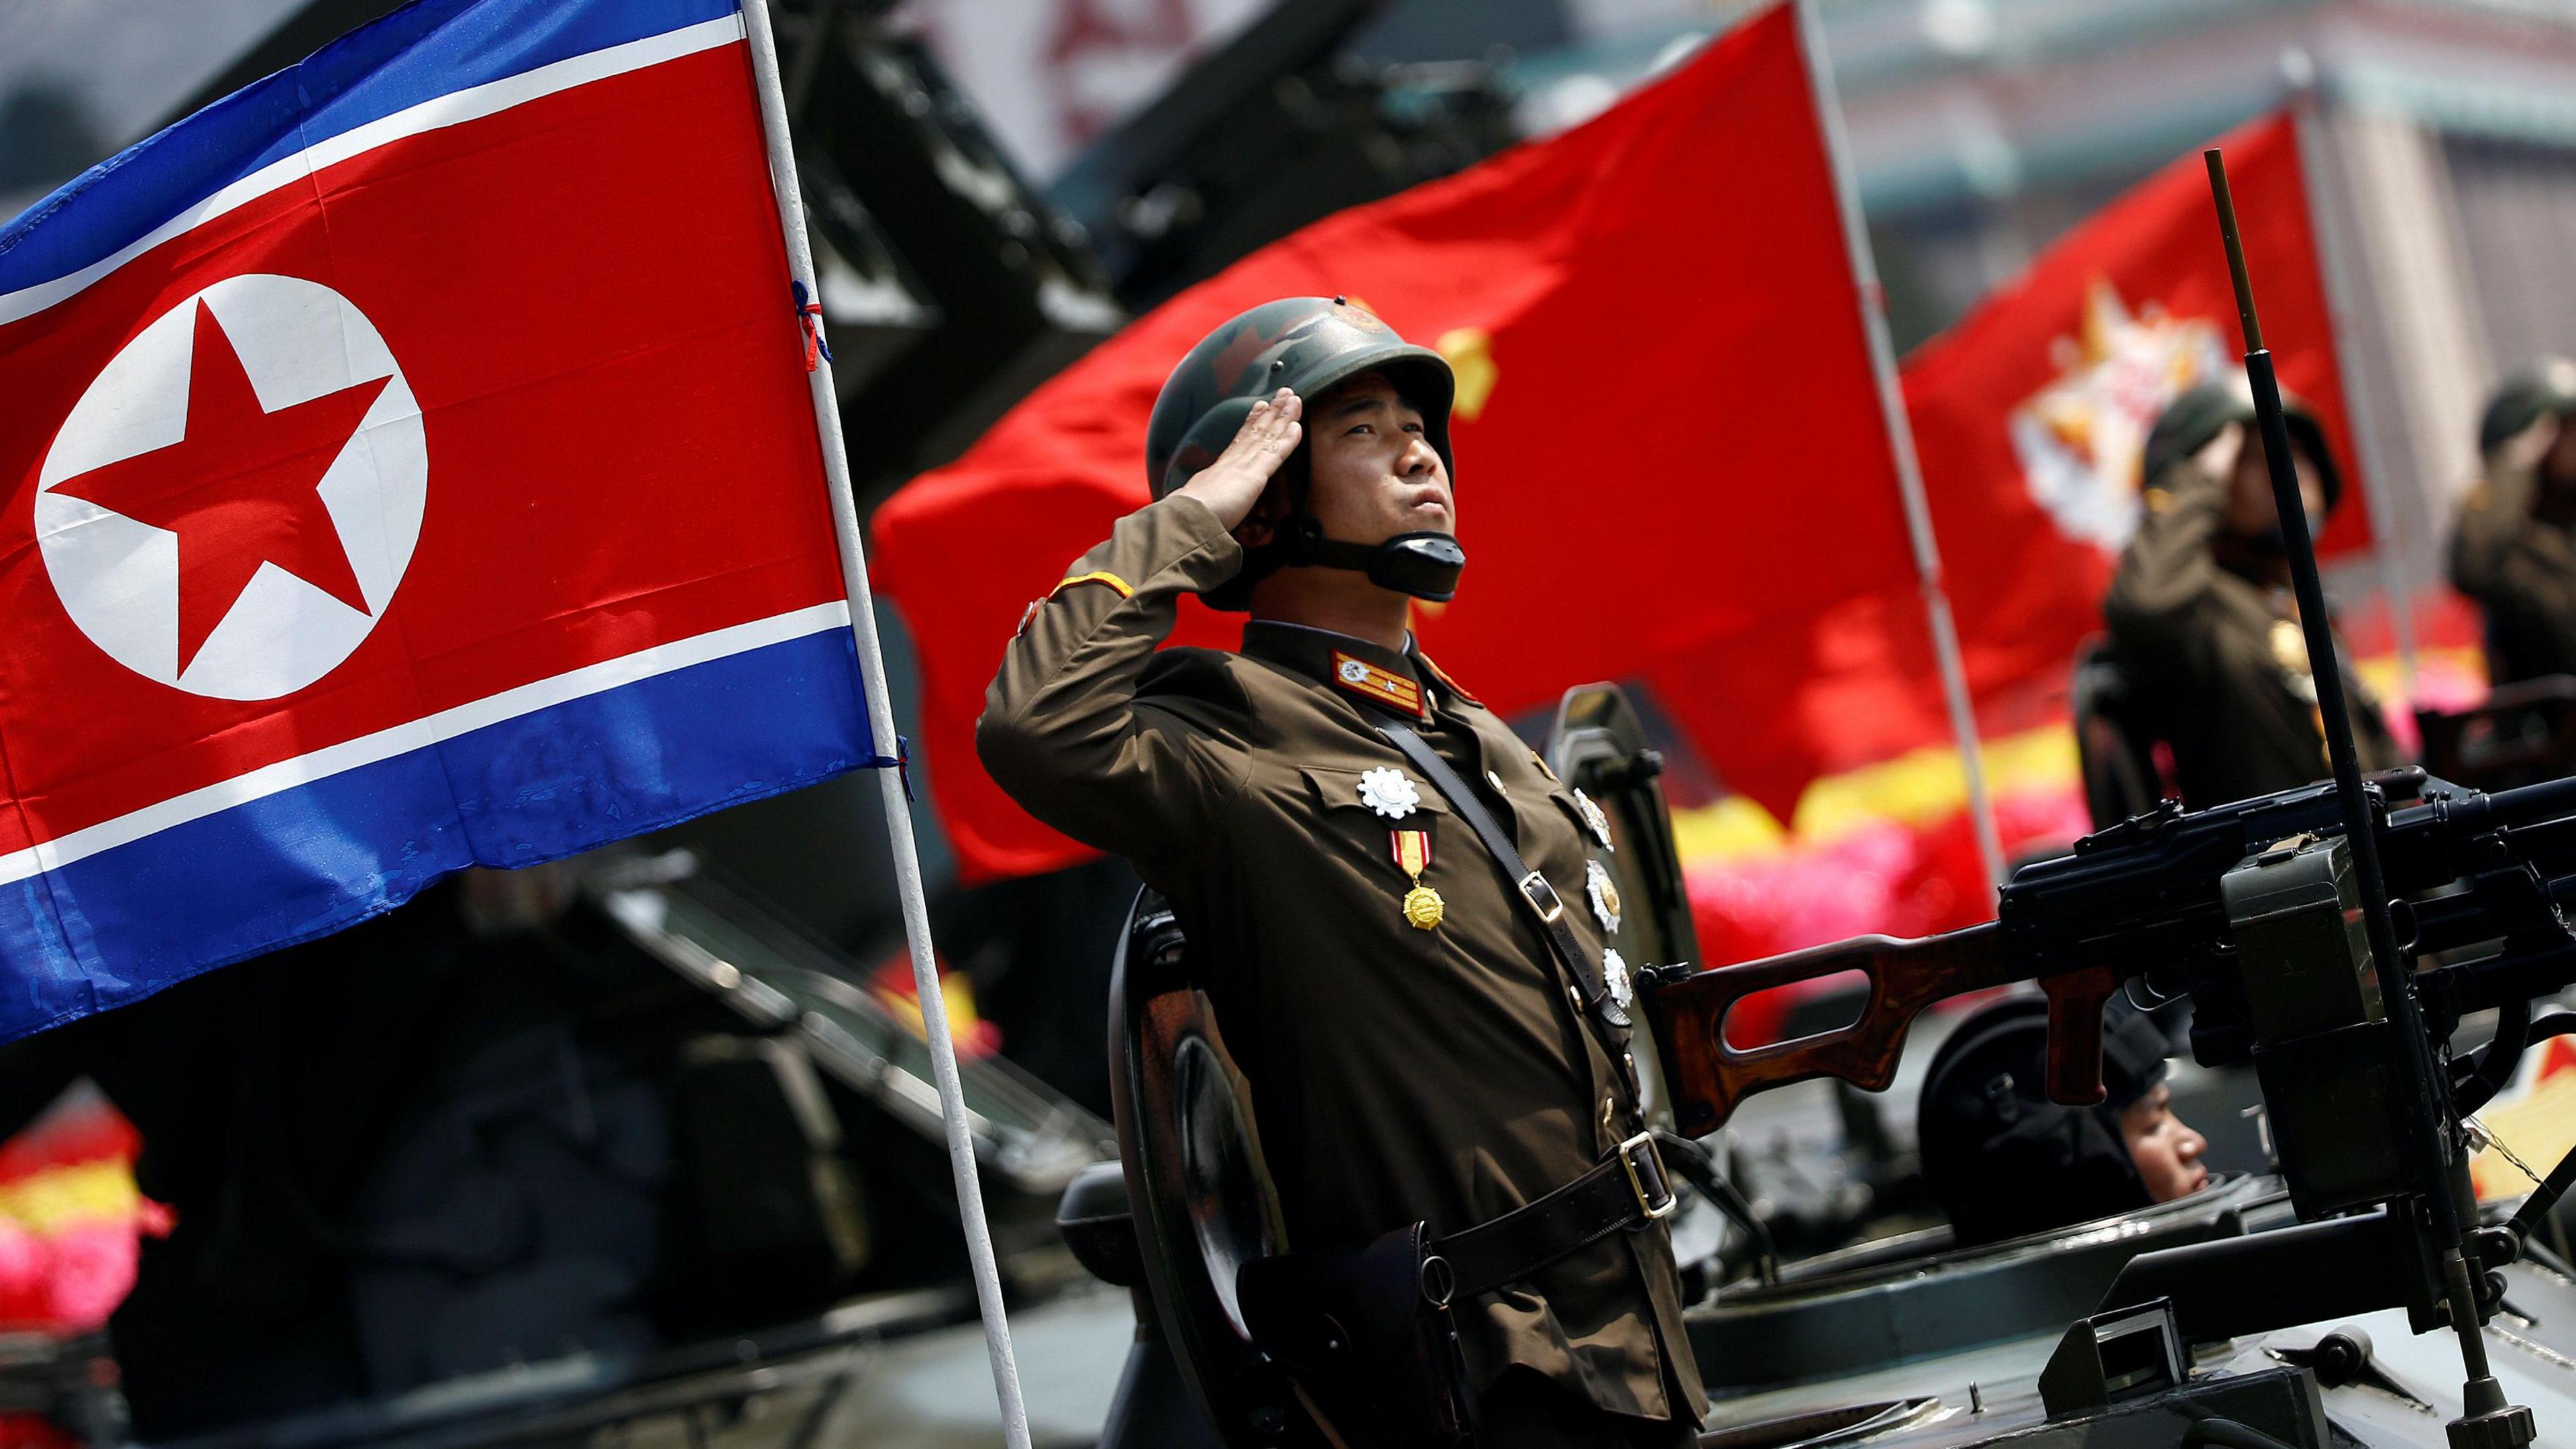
(1423, 564)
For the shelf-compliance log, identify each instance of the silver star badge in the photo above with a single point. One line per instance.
(1593, 817)
(1387, 792)
(1605, 895)
(1614, 976)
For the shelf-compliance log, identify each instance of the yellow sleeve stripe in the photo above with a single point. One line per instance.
(1125, 589)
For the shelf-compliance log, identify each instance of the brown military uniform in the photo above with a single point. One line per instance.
(2522, 569)
(2221, 656)
(1397, 1073)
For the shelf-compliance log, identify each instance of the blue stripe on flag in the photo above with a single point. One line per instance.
(422, 51)
(323, 856)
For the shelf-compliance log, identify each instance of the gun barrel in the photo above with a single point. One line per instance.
(2531, 804)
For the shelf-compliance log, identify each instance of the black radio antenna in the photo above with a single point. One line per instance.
(2431, 1144)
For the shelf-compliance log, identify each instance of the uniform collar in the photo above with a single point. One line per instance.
(1390, 679)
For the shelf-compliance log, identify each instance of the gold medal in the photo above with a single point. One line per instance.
(1423, 907)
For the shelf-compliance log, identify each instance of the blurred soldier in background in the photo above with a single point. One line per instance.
(1431, 1024)
(2201, 612)
(2003, 1160)
(2511, 550)
(278, 1100)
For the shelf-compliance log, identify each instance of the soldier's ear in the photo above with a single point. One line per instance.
(1261, 526)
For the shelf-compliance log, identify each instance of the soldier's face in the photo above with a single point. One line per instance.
(1374, 471)
(2165, 1149)
(2558, 465)
(2249, 504)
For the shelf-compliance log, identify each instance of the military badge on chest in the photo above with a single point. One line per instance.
(1388, 793)
(1604, 890)
(1594, 820)
(1423, 907)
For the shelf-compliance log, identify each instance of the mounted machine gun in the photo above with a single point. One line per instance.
(2296, 922)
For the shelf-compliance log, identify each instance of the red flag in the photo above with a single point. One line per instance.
(2030, 413)
(1672, 458)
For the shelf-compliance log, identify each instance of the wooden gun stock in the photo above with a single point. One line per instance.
(1709, 1078)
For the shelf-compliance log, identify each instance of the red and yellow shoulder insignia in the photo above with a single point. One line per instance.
(1377, 686)
(1102, 577)
(1124, 589)
(1446, 682)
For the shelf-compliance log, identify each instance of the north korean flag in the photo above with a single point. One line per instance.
(408, 464)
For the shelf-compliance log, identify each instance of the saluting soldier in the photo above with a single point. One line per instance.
(2201, 610)
(1398, 911)
(2512, 550)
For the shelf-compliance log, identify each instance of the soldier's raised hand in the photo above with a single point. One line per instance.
(2218, 457)
(2525, 449)
(1232, 484)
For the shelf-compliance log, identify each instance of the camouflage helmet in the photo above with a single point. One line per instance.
(2194, 418)
(2546, 385)
(1305, 344)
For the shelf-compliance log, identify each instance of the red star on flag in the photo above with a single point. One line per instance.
(240, 488)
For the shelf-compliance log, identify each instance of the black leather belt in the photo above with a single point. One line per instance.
(1627, 1189)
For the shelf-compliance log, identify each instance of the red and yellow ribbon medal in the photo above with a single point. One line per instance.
(1422, 905)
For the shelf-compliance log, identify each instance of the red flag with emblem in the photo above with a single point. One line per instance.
(2029, 416)
(1672, 460)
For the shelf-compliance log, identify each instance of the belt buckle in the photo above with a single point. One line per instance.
(1641, 1149)
(1544, 896)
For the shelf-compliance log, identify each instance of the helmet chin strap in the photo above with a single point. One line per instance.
(1424, 564)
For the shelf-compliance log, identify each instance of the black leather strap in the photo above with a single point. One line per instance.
(1627, 1189)
(1525, 884)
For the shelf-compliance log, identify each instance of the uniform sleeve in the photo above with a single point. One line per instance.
(2167, 572)
(1063, 731)
(2491, 542)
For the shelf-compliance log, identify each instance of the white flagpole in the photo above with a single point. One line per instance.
(1900, 439)
(2396, 573)
(907, 861)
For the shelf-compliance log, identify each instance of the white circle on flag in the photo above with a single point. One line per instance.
(119, 578)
